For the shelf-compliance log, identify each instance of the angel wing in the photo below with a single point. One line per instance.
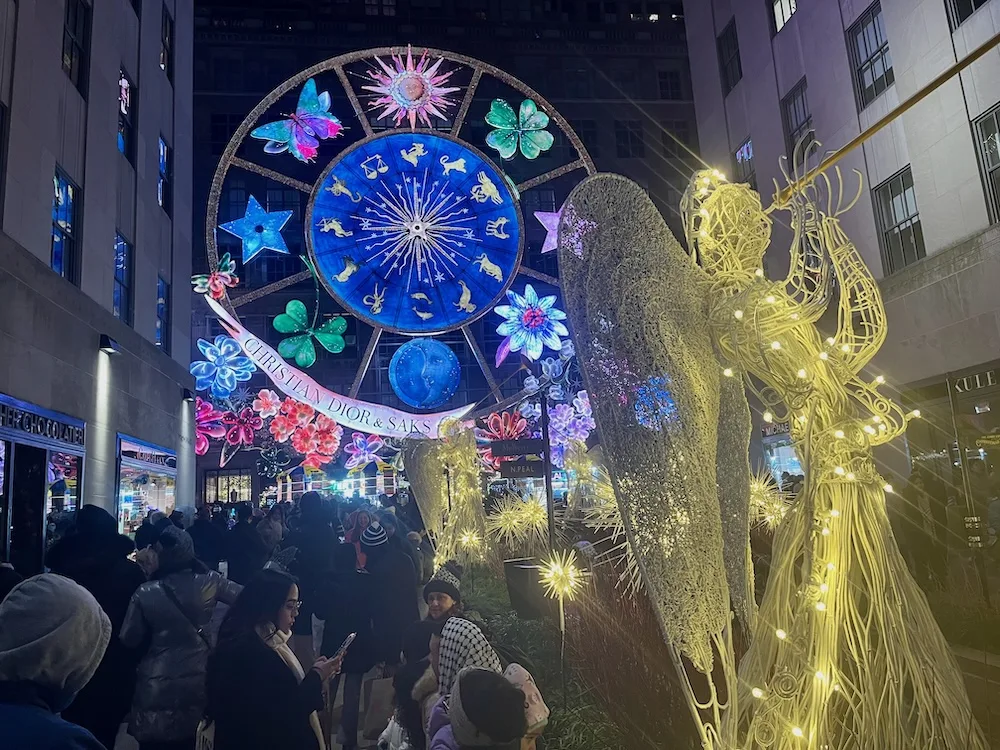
(641, 330)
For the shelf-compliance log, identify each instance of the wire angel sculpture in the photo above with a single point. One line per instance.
(844, 652)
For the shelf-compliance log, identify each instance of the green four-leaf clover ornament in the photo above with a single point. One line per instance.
(524, 130)
(295, 320)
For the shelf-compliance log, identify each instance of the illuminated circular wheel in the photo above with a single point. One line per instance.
(415, 163)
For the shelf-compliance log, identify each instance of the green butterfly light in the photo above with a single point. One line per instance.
(295, 320)
(524, 130)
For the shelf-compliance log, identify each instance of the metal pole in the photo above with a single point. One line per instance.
(548, 472)
(973, 522)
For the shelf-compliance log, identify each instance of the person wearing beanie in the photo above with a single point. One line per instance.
(442, 595)
(96, 556)
(483, 712)
(53, 635)
(169, 615)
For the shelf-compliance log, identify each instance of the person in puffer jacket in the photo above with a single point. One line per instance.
(171, 613)
(483, 712)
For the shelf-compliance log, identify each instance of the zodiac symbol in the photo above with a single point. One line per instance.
(339, 187)
(326, 225)
(375, 300)
(489, 267)
(349, 268)
(496, 229)
(469, 235)
(416, 151)
(423, 315)
(422, 297)
(458, 165)
(373, 172)
(464, 303)
(486, 190)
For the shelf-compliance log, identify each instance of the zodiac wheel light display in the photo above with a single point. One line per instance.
(412, 176)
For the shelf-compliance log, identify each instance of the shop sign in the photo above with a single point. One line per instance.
(522, 469)
(992, 440)
(148, 455)
(976, 382)
(524, 447)
(775, 428)
(19, 418)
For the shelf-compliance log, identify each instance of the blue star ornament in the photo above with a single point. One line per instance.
(259, 230)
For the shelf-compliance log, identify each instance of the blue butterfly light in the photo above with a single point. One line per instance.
(301, 133)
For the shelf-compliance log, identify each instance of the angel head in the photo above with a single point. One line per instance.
(726, 227)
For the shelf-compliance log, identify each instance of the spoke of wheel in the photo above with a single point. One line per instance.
(538, 275)
(466, 102)
(271, 174)
(484, 364)
(270, 288)
(558, 172)
(353, 98)
(366, 361)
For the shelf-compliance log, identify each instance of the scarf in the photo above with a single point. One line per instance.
(357, 522)
(278, 641)
(463, 645)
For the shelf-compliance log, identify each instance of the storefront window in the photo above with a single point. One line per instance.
(782, 460)
(235, 486)
(62, 496)
(146, 482)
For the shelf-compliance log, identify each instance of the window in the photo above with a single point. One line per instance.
(121, 302)
(960, 10)
(797, 117)
(675, 136)
(66, 207)
(670, 84)
(729, 58)
(628, 139)
(221, 128)
(610, 12)
(232, 486)
(163, 315)
(587, 130)
(578, 83)
(164, 185)
(782, 11)
(383, 7)
(76, 29)
(899, 222)
(988, 136)
(743, 164)
(126, 116)
(167, 44)
(870, 52)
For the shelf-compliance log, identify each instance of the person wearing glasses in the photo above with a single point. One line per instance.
(259, 695)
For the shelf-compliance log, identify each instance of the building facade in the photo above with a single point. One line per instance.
(617, 71)
(767, 74)
(95, 258)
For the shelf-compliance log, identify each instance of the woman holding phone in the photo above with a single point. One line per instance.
(259, 696)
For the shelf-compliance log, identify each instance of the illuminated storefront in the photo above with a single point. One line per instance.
(147, 478)
(41, 466)
(776, 444)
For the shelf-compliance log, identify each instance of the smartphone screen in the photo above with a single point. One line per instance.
(344, 646)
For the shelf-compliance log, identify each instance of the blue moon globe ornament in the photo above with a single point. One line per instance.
(424, 373)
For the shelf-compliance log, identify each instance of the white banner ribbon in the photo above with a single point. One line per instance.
(349, 412)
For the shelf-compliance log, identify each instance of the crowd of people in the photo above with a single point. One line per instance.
(239, 633)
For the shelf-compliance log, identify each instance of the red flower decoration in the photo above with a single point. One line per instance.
(304, 439)
(282, 428)
(242, 426)
(500, 426)
(299, 413)
(328, 435)
(207, 424)
(316, 461)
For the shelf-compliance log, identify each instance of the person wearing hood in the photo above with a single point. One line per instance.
(9, 578)
(315, 542)
(247, 550)
(259, 695)
(53, 635)
(484, 711)
(96, 556)
(171, 614)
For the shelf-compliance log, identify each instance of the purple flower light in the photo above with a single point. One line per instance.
(532, 323)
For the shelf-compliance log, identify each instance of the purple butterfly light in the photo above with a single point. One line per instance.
(301, 133)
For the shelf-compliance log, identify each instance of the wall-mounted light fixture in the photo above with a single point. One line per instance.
(108, 345)
(187, 394)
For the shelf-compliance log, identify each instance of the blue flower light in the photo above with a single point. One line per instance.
(532, 323)
(654, 406)
(224, 367)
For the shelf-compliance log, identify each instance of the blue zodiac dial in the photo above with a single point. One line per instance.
(415, 232)
(424, 373)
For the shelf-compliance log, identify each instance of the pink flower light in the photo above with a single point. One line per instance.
(242, 426)
(207, 424)
(267, 403)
